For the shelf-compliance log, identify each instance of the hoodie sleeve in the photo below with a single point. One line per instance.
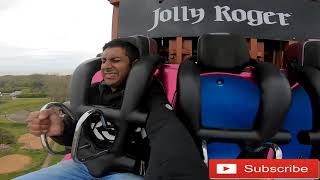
(174, 154)
(67, 136)
(70, 125)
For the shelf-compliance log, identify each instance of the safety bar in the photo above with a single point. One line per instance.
(43, 137)
(77, 134)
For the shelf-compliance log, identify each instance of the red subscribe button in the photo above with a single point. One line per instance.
(264, 168)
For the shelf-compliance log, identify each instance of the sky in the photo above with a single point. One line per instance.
(51, 36)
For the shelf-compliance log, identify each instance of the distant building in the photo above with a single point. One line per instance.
(15, 94)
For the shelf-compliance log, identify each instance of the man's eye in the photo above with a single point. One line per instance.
(115, 60)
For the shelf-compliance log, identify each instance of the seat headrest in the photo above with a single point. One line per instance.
(222, 52)
(311, 53)
(146, 46)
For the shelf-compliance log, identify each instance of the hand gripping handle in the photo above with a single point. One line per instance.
(43, 137)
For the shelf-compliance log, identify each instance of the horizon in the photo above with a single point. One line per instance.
(35, 38)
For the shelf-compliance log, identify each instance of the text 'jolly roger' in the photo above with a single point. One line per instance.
(222, 13)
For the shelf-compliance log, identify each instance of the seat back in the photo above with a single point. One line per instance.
(137, 83)
(220, 105)
(90, 70)
(167, 74)
(303, 120)
(223, 105)
(299, 118)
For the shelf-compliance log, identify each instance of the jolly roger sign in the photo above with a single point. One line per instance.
(272, 19)
(223, 13)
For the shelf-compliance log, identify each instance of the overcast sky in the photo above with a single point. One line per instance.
(51, 36)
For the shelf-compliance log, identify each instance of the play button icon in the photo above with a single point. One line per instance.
(226, 168)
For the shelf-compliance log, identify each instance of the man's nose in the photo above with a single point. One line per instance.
(106, 64)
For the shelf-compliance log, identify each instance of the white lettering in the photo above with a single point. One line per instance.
(253, 17)
(242, 13)
(248, 168)
(282, 18)
(176, 13)
(156, 19)
(273, 169)
(255, 21)
(184, 13)
(194, 14)
(304, 169)
(222, 11)
(168, 14)
(280, 169)
(266, 17)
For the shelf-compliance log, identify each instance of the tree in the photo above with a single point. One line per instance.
(57, 87)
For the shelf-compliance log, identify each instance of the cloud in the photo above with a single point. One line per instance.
(19, 61)
(5, 4)
(35, 30)
(43, 63)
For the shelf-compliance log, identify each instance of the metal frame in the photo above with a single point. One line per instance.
(205, 152)
(43, 137)
(77, 134)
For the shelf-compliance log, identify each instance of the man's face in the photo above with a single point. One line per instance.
(115, 66)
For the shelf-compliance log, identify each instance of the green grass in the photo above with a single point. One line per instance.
(38, 156)
(18, 129)
(27, 104)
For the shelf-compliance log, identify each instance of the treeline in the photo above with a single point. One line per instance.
(37, 85)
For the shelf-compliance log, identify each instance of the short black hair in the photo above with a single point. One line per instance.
(131, 51)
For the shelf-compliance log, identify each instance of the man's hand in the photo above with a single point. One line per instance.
(45, 122)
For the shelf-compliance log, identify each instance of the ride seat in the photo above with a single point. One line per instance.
(230, 113)
(303, 120)
(138, 80)
(167, 74)
(146, 47)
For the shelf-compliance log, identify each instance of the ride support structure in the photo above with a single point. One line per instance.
(177, 49)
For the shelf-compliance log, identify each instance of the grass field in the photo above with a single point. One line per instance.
(27, 104)
(18, 129)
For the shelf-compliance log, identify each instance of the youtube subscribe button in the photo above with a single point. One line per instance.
(264, 168)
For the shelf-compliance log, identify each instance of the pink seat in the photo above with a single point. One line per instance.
(67, 157)
(167, 74)
(97, 77)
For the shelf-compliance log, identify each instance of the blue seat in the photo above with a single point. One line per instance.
(303, 120)
(300, 111)
(220, 105)
(231, 113)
